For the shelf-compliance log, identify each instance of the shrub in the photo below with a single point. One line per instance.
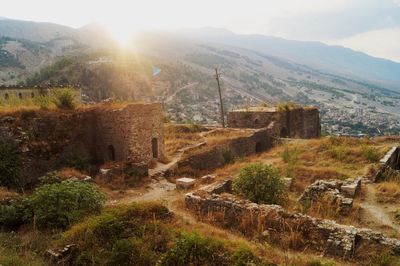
(243, 256)
(15, 213)
(192, 249)
(60, 204)
(260, 183)
(65, 98)
(43, 101)
(371, 154)
(121, 253)
(49, 178)
(10, 164)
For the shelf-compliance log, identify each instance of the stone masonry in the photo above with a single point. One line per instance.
(296, 122)
(133, 134)
(252, 219)
(337, 192)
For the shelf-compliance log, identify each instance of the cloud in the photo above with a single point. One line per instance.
(380, 43)
(355, 17)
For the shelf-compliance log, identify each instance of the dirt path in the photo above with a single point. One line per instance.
(376, 212)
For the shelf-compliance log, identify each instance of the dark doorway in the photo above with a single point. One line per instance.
(258, 147)
(20, 95)
(154, 147)
(111, 153)
(6, 96)
(256, 122)
(32, 95)
(284, 133)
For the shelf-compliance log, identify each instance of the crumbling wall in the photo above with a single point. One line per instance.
(294, 122)
(273, 221)
(390, 160)
(48, 139)
(258, 141)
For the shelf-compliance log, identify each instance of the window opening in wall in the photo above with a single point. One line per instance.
(154, 147)
(111, 153)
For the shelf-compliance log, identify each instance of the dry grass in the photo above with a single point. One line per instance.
(180, 136)
(7, 194)
(388, 191)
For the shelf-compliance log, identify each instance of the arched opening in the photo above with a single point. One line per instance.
(256, 121)
(283, 133)
(154, 147)
(32, 95)
(6, 96)
(111, 153)
(20, 95)
(258, 147)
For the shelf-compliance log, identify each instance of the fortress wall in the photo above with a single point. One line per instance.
(292, 123)
(47, 140)
(251, 119)
(134, 132)
(312, 124)
(258, 141)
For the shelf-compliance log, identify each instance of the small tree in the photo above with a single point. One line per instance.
(260, 183)
(61, 204)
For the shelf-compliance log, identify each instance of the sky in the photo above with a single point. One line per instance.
(371, 26)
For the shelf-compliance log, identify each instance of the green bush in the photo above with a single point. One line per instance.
(60, 204)
(260, 183)
(192, 249)
(10, 164)
(65, 98)
(370, 154)
(43, 101)
(49, 178)
(15, 213)
(243, 256)
(121, 253)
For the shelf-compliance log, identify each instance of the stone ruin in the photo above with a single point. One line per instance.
(133, 133)
(391, 160)
(274, 222)
(296, 122)
(336, 192)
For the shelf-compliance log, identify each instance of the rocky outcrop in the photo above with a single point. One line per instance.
(254, 220)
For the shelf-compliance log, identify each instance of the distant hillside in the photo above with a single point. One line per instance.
(334, 59)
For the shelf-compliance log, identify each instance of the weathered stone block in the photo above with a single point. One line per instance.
(185, 183)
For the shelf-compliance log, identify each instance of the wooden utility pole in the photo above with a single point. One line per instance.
(220, 97)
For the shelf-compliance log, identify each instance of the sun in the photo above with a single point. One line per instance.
(123, 34)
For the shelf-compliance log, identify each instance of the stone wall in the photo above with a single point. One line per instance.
(292, 123)
(135, 133)
(274, 223)
(48, 140)
(390, 160)
(214, 157)
(8, 92)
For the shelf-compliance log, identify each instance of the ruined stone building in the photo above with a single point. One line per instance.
(48, 140)
(296, 122)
